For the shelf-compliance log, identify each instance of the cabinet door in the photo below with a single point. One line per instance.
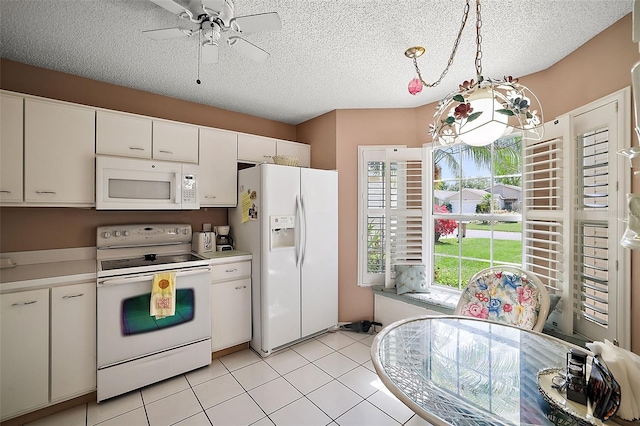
(175, 142)
(218, 170)
(11, 148)
(255, 149)
(73, 340)
(59, 153)
(123, 134)
(230, 313)
(24, 351)
(294, 149)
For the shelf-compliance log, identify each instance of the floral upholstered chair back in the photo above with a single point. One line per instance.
(506, 295)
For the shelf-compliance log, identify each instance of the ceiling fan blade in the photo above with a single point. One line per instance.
(170, 5)
(165, 33)
(213, 5)
(256, 23)
(209, 53)
(249, 50)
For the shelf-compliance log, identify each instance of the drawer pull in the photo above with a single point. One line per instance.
(5, 191)
(232, 270)
(45, 192)
(136, 148)
(71, 296)
(25, 303)
(240, 287)
(267, 156)
(166, 152)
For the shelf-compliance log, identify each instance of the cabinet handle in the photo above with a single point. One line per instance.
(46, 192)
(209, 196)
(241, 287)
(5, 191)
(166, 152)
(24, 303)
(71, 296)
(231, 270)
(267, 156)
(136, 148)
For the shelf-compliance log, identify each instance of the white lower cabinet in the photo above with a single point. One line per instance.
(24, 352)
(73, 340)
(230, 305)
(47, 347)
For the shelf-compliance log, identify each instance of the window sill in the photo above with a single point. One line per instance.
(440, 300)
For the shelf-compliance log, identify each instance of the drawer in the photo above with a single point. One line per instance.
(230, 271)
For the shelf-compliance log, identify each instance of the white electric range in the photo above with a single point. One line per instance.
(134, 349)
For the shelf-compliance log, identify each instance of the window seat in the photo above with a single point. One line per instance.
(390, 307)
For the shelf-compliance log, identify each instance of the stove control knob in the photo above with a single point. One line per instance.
(116, 234)
(126, 233)
(185, 231)
(106, 235)
(176, 231)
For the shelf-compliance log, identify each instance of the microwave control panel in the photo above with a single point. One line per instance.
(188, 188)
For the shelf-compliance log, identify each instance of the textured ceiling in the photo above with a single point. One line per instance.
(330, 54)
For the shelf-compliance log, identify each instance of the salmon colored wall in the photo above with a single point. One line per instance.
(355, 128)
(45, 228)
(598, 68)
(36, 81)
(320, 133)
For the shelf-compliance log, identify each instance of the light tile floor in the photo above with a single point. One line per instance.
(327, 380)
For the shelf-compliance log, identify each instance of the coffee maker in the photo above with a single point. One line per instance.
(224, 241)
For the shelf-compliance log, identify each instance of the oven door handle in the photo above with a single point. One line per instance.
(127, 280)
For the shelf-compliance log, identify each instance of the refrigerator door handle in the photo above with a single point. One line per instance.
(298, 234)
(303, 233)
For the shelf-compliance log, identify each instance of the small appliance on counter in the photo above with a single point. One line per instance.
(224, 242)
(203, 242)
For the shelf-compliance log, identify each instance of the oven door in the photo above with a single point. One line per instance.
(125, 328)
(133, 184)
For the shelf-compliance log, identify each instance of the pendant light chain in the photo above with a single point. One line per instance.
(478, 43)
(465, 15)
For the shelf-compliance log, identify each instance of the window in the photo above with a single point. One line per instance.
(476, 216)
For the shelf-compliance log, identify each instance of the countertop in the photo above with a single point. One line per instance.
(51, 268)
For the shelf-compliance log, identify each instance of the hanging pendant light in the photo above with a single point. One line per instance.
(481, 110)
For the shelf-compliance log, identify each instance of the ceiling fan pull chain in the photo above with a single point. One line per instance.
(199, 54)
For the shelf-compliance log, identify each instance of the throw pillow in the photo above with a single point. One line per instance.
(411, 279)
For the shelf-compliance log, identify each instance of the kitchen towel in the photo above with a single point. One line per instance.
(163, 295)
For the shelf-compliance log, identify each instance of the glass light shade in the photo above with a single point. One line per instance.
(489, 126)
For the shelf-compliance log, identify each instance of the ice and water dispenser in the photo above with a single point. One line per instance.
(283, 231)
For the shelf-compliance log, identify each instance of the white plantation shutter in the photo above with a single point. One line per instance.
(546, 215)
(597, 282)
(371, 207)
(574, 200)
(405, 211)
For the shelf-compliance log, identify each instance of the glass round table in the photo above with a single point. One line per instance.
(464, 371)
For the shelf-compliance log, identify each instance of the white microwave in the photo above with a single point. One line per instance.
(134, 184)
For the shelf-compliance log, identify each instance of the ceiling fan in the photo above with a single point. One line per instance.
(215, 22)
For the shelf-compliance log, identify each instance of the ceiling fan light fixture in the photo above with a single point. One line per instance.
(480, 111)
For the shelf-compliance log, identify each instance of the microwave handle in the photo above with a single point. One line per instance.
(178, 197)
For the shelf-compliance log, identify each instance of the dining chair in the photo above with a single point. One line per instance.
(507, 295)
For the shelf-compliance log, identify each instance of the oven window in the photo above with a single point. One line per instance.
(133, 189)
(136, 318)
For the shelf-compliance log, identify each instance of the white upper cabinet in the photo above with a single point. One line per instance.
(11, 148)
(175, 142)
(123, 134)
(59, 151)
(255, 149)
(218, 169)
(295, 149)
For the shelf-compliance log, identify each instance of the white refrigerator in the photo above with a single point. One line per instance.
(287, 217)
